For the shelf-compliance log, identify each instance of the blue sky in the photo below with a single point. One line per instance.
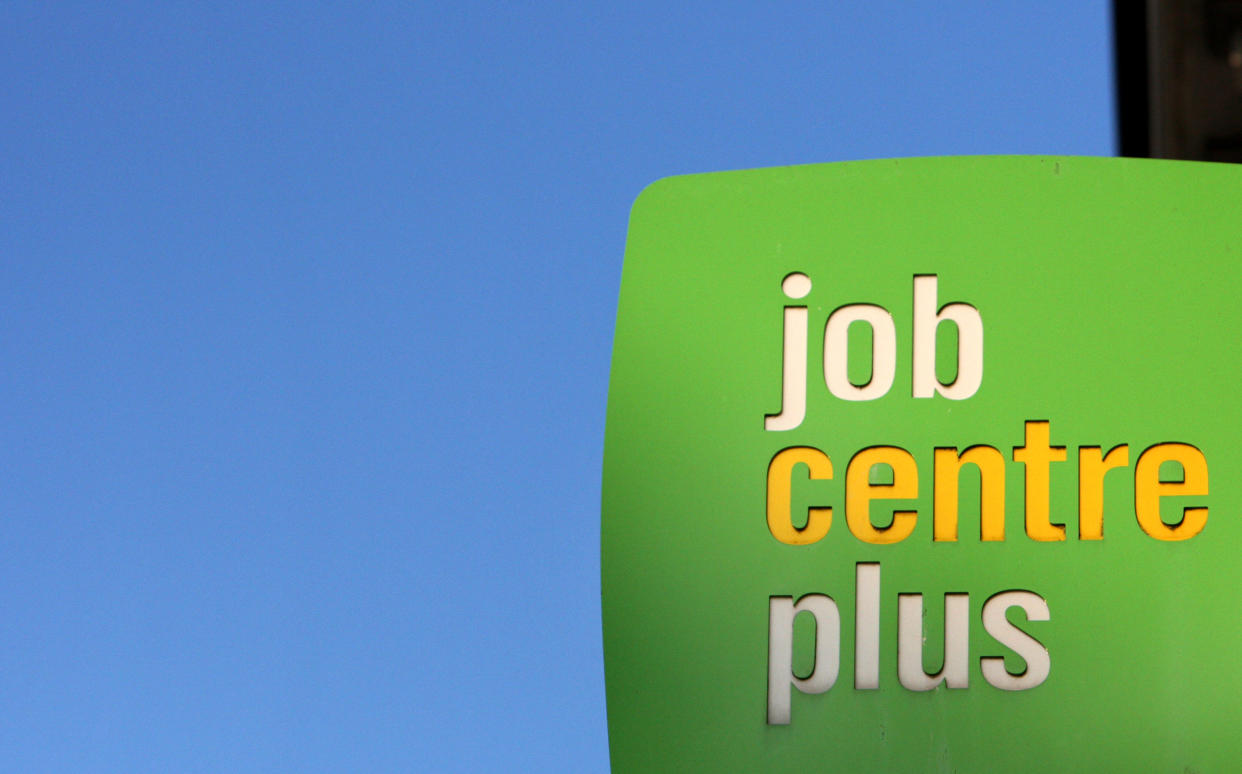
(305, 320)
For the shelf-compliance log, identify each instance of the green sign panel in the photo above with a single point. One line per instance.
(928, 465)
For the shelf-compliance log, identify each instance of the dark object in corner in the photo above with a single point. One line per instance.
(1178, 71)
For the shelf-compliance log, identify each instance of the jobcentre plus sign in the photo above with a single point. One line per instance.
(907, 466)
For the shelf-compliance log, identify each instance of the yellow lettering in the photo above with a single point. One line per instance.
(1148, 489)
(780, 485)
(1037, 455)
(859, 492)
(1092, 465)
(948, 467)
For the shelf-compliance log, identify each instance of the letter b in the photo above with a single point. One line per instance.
(927, 319)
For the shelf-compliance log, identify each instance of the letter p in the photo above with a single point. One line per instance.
(781, 614)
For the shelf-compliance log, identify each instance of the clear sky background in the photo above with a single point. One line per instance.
(305, 321)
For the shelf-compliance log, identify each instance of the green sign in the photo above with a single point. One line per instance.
(928, 465)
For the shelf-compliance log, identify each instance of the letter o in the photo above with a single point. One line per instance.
(883, 351)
